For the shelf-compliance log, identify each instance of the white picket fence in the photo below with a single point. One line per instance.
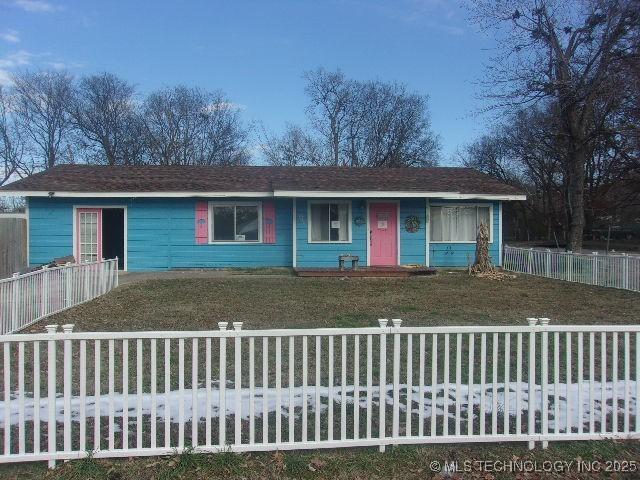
(617, 271)
(27, 298)
(123, 394)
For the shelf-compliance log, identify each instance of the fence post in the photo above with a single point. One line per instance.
(68, 285)
(222, 409)
(544, 374)
(569, 257)
(115, 273)
(67, 328)
(529, 260)
(397, 323)
(15, 301)
(548, 264)
(625, 271)
(51, 391)
(237, 380)
(44, 301)
(383, 382)
(532, 382)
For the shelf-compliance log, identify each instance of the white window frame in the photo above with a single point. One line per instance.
(484, 205)
(211, 226)
(327, 202)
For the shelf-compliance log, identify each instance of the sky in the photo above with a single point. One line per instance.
(257, 51)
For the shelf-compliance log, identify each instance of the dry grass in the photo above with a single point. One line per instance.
(281, 301)
(397, 463)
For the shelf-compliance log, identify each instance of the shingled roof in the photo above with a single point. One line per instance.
(71, 180)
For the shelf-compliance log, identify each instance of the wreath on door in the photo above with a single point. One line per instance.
(412, 224)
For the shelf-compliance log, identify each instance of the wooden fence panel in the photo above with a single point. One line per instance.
(13, 245)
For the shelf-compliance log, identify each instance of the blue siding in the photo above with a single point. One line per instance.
(326, 254)
(161, 236)
(412, 244)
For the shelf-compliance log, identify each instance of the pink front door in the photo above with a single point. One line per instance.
(383, 234)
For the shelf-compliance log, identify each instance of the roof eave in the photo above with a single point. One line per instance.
(276, 193)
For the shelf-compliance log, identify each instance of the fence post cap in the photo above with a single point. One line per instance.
(594, 253)
(68, 327)
(223, 325)
(237, 325)
(544, 321)
(51, 328)
(397, 322)
(532, 321)
(16, 274)
(383, 322)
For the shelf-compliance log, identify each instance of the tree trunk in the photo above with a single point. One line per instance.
(576, 199)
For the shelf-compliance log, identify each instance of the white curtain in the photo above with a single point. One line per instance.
(319, 222)
(457, 223)
(466, 223)
(343, 217)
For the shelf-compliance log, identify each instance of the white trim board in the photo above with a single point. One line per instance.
(395, 194)
(276, 193)
(126, 229)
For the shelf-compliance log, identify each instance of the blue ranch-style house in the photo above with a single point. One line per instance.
(178, 217)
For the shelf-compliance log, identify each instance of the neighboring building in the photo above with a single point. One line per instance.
(163, 217)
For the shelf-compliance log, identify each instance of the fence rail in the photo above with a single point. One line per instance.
(150, 393)
(616, 271)
(25, 299)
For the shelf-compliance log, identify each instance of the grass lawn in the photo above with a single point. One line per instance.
(284, 301)
(278, 301)
(405, 463)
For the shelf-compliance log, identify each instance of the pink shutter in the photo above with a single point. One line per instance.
(268, 222)
(202, 223)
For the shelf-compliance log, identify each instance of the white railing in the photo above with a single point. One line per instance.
(617, 271)
(25, 299)
(120, 394)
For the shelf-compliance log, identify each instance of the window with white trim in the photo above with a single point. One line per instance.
(459, 223)
(239, 222)
(329, 222)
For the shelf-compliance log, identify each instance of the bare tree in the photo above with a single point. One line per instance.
(566, 54)
(395, 128)
(294, 147)
(11, 145)
(358, 124)
(331, 95)
(187, 126)
(104, 113)
(41, 107)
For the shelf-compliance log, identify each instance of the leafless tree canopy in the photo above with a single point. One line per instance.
(187, 126)
(49, 117)
(11, 144)
(108, 126)
(41, 101)
(353, 123)
(573, 62)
